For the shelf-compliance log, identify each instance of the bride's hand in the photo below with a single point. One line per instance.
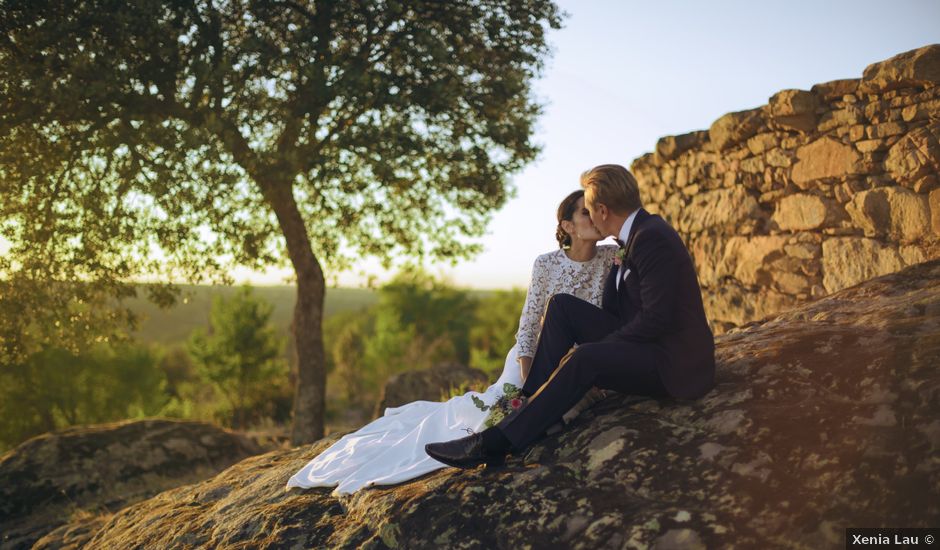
(525, 365)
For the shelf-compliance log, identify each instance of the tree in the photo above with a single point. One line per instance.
(177, 138)
(240, 353)
(419, 321)
(347, 334)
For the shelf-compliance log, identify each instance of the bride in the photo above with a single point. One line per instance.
(390, 449)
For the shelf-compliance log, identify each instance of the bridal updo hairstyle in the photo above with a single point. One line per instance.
(613, 186)
(566, 213)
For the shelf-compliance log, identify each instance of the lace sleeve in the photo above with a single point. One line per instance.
(531, 319)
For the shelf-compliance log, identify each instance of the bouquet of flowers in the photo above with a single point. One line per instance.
(511, 400)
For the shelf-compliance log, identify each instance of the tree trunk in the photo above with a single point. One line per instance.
(310, 391)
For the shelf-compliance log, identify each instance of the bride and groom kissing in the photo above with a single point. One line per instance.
(626, 318)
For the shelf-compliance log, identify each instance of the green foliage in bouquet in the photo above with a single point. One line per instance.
(511, 400)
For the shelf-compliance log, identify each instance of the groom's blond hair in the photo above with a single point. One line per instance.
(613, 186)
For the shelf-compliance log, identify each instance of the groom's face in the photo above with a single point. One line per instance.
(598, 213)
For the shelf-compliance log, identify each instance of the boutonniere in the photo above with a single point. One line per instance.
(620, 255)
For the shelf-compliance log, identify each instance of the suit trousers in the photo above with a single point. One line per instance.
(560, 376)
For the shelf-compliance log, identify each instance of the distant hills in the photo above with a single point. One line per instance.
(192, 310)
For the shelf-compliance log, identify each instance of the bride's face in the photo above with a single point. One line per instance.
(581, 227)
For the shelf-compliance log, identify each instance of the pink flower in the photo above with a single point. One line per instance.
(515, 403)
(617, 261)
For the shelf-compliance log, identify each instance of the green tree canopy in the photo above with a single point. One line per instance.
(176, 139)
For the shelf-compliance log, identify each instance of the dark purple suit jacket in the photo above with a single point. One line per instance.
(660, 303)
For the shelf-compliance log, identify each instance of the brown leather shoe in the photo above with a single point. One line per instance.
(466, 452)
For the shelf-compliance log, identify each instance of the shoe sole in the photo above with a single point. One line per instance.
(492, 463)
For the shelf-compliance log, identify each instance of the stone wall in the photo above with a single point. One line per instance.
(814, 192)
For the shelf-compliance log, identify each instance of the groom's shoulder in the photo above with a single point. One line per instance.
(656, 223)
(657, 228)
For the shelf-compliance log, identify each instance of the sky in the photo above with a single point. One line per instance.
(625, 73)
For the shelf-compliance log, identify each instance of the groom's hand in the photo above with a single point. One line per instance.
(525, 365)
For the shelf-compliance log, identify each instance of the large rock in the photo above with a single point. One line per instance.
(90, 470)
(748, 259)
(824, 417)
(734, 128)
(916, 68)
(720, 208)
(835, 89)
(426, 384)
(915, 156)
(670, 147)
(801, 211)
(824, 158)
(896, 212)
(794, 109)
(848, 261)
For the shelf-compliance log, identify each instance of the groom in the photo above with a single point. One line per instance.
(649, 338)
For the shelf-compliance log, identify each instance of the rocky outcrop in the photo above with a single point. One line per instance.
(426, 384)
(823, 417)
(814, 192)
(83, 473)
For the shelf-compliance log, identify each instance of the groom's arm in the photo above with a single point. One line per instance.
(656, 262)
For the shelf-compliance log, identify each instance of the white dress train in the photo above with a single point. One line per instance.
(390, 449)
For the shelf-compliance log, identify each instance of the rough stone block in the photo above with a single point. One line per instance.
(670, 147)
(762, 142)
(778, 158)
(916, 68)
(893, 211)
(857, 132)
(875, 111)
(921, 111)
(753, 165)
(879, 131)
(934, 201)
(824, 158)
(793, 102)
(915, 155)
(802, 212)
(836, 89)
(734, 128)
(749, 259)
(792, 283)
(790, 143)
(848, 261)
(719, 208)
(848, 116)
(706, 253)
(871, 145)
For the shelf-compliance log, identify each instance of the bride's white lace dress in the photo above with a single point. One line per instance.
(390, 449)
